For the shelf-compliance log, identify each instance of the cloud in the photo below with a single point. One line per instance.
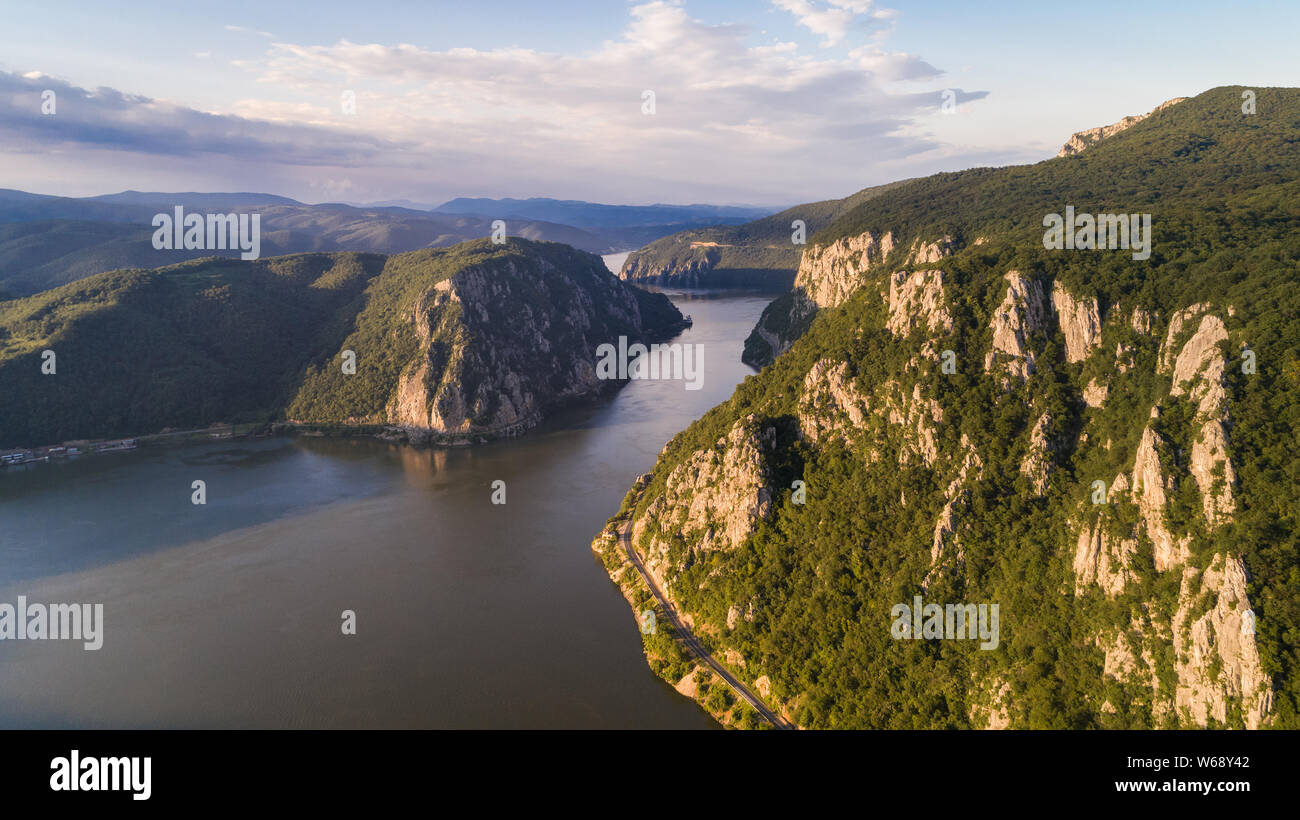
(733, 121)
(107, 119)
(725, 108)
(266, 34)
(834, 19)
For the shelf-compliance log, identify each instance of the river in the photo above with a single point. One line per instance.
(468, 614)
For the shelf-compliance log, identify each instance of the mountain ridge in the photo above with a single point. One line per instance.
(1091, 441)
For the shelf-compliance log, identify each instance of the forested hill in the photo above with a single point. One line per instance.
(453, 344)
(1102, 446)
(1198, 155)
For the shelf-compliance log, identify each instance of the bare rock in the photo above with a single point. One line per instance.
(1082, 140)
(1080, 323)
(1022, 312)
(916, 300)
(1216, 660)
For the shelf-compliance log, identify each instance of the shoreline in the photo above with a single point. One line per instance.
(667, 651)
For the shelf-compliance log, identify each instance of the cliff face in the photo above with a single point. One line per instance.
(1082, 140)
(686, 265)
(510, 333)
(1100, 446)
(829, 274)
(453, 345)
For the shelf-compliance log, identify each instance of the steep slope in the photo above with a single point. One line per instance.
(1100, 446)
(456, 344)
(479, 341)
(758, 254)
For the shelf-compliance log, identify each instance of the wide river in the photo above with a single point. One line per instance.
(468, 613)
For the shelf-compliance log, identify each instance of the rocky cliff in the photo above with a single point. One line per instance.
(828, 274)
(1082, 140)
(1089, 443)
(487, 341)
(451, 345)
(762, 254)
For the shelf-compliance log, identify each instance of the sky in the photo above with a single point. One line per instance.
(764, 102)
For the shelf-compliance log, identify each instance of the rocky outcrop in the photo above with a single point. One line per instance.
(916, 301)
(1197, 372)
(1022, 312)
(829, 274)
(991, 704)
(1082, 140)
(1151, 488)
(1080, 323)
(505, 339)
(1038, 462)
(1095, 393)
(1103, 560)
(830, 404)
(1215, 656)
(713, 500)
(946, 552)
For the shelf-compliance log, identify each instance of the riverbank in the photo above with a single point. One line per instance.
(668, 651)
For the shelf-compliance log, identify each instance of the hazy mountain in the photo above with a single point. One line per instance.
(47, 241)
(595, 215)
(192, 200)
(50, 241)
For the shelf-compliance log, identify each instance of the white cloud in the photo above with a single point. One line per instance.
(246, 30)
(728, 113)
(734, 122)
(834, 19)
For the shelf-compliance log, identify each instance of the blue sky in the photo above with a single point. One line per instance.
(755, 102)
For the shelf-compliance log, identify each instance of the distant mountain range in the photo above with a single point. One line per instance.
(47, 241)
(594, 215)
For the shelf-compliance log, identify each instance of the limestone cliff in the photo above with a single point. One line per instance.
(829, 274)
(484, 344)
(1100, 445)
(1082, 140)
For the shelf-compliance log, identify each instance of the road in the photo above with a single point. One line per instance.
(693, 644)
